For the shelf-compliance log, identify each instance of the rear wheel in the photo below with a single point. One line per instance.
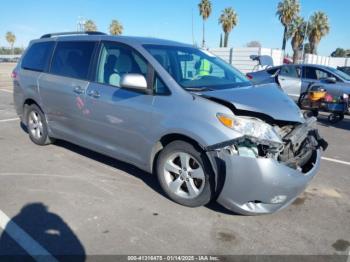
(37, 127)
(335, 118)
(185, 174)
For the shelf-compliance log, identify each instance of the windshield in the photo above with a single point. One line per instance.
(339, 73)
(196, 69)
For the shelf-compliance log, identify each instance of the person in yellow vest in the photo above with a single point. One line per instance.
(203, 68)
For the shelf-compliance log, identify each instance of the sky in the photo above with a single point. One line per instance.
(170, 19)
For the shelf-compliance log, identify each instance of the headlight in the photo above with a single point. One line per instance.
(250, 127)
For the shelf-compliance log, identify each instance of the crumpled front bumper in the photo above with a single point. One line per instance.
(253, 186)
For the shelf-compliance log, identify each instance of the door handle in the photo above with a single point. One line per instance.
(94, 94)
(78, 90)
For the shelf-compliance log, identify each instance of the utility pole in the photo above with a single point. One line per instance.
(192, 29)
(80, 24)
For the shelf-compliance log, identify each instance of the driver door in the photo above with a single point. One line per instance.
(290, 82)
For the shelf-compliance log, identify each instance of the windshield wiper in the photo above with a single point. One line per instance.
(199, 89)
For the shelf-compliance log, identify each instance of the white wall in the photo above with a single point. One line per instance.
(239, 57)
(326, 60)
(10, 56)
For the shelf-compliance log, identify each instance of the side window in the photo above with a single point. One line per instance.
(322, 74)
(309, 73)
(159, 87)
(116, 60)
(37, 57)
(72, 59)
(289, 71)
(163, 58)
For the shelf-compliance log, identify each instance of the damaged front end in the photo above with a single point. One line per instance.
(264, 174)
(294, 150)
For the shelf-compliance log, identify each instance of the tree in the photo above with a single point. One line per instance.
(297, 31)
(253, 44)
(339, 52)
(220, 40)
(116, 28)
(90, 26)
(204, 11)
(318, 28)
(11, 39)
(228, 20)
(307, 49)
(287, 11)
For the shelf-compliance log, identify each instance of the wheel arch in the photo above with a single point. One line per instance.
(28, 102)
(216, 167)
(167, 139)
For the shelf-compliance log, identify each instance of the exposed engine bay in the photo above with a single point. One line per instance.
(300, 142)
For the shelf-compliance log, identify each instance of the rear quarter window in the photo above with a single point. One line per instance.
(37, 58)
(73, 59)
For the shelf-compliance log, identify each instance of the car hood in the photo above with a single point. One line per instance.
(266, 99)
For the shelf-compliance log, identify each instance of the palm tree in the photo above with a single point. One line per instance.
(287, 11)
(297, 31)
(11, 39)
(318, 28)
(204, 11)
(116, 28)
(90, 26)
(228, 20)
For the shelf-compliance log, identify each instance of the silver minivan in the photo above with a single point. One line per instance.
(173, 110)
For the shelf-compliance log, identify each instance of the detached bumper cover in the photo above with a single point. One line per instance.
(254, 186)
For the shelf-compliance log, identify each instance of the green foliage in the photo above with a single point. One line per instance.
(341, 52)
(116, 28)
(205, 9)
(90, 26)
(318, 28)
(253, 44)
(297, 31)
(287, 11)
(228, 20)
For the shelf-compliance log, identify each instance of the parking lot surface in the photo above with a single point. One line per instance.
(69, 200)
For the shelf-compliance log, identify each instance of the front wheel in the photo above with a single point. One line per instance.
(184, 174)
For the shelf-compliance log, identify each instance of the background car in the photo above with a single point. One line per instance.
(294, 79)
(345, 69)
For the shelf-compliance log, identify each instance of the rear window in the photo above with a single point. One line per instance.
(72, 59)
(38, 56)
(271, 71)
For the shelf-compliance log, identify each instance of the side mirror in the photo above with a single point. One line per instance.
(330, 80)
(134, 81)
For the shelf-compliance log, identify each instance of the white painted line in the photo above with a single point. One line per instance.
(6, 90)
(336, 161)
(32, 247)
(9, 120)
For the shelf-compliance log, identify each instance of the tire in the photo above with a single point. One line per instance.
(37, 126)
(185, 184)
(335, 118)
(301, 99)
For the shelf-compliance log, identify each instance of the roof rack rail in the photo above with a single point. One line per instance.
(72, 33)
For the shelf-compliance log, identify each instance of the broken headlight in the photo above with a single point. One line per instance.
(252, 128)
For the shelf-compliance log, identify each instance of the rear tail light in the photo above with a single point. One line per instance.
(250, 77)
(13, 74)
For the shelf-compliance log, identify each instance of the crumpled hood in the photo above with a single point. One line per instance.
(267, 99)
